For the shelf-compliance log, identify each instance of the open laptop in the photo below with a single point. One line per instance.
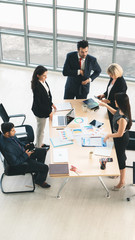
(62, 121)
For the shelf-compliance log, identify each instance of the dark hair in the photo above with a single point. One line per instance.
(82, 44)
(122, 100)
(6, 127)
(38, 71)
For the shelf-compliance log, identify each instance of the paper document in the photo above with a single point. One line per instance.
(104, 151)
(63, 106)
(60, 155)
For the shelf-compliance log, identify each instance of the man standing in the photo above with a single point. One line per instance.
(77, 68)
(14, 152)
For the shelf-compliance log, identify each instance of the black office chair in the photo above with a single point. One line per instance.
(18, 170)
(6, 118)
(131, 146)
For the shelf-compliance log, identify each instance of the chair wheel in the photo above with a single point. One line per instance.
(128, 199)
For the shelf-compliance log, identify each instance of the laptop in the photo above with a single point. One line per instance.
(62, 121)
(91, 104)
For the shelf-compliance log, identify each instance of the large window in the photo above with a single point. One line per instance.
(36, 32)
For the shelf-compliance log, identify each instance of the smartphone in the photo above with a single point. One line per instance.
(96, 97)
(106, 159)
(109, 159)
(96, 123)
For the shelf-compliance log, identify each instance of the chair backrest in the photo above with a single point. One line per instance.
(3, 113)
(30, 135)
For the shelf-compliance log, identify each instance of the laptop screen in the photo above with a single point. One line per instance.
(70, 116)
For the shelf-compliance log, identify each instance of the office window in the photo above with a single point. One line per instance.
(40, 19)
(69, 23)
(63, 49)
(100, 26)
(71, 3)
(103, 56)
(40, 1)
(126, 58)
(41, 51)
(127, 6)
(11, 16)
(102, 5)
(126, 32)
(13, 48)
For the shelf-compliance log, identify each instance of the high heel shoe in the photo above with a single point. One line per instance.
(115, 188)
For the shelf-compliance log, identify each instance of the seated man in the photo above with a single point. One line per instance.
(15, 154)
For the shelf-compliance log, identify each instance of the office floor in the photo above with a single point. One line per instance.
(83, 212)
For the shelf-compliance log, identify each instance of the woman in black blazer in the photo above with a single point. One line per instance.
(42, 102)
(116, 84)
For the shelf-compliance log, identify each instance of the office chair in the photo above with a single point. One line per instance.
(16, 172)
(131, 146)
(6, 118)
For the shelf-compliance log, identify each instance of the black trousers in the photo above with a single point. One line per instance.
(36, 165)
(71, 94)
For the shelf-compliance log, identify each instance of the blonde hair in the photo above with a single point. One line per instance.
(115, 70)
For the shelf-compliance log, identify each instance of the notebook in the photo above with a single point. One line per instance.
(63, 106)
(58, 169)
(91, 103)
(62, 121)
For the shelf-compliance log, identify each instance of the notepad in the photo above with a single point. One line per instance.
(56, 170)
(63, 106)
(57, 142)
(60, 155)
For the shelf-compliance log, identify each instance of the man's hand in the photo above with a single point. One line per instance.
(28, 152)
(82, 72)
(86, 81)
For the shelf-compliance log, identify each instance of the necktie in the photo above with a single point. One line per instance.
(80, 59)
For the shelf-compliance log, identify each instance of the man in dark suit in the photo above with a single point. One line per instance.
(78, 67)
(15, 154)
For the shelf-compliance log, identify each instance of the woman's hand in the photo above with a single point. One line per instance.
(102, 103)
(106, 101)
(107, 137)
(101, 96)
(51, 116)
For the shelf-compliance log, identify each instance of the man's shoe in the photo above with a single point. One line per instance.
(44, 185)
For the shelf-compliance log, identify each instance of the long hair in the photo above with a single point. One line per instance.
(38, 71)
(122, 100)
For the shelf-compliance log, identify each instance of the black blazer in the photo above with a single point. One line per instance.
(14, 154)
(42, 102)
(71, 68)
(119, 86)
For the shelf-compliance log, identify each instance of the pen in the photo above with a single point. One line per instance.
(59, 128)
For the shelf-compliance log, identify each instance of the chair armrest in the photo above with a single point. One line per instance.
(19, 115)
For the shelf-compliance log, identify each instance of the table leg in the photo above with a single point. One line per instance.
(61, 187)
(103, 184)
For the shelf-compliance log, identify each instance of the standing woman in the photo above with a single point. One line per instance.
(42, 102)
(121, 124)
(116, 84)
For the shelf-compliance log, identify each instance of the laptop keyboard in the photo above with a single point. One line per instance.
(61, 120)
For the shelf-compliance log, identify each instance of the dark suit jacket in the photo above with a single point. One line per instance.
(42, 102)
(119, 86)
(71, 68)
(14, 154)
